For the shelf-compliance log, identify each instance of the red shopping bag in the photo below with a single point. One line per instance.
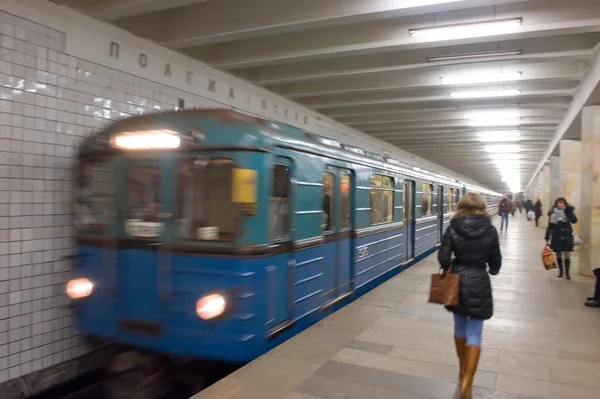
(548, 258)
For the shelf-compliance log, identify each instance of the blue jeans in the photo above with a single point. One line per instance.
(504, 216)
(469, 328)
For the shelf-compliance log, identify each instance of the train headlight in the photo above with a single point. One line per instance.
(210, 306)
(146, 140)
(79, 288)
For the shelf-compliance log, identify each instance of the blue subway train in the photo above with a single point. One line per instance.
(214, 235)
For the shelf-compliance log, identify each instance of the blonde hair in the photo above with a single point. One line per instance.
(471, 204)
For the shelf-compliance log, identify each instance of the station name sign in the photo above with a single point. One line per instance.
(192, 79)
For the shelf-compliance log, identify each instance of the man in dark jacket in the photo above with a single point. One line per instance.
(538, 212)
(504, 209)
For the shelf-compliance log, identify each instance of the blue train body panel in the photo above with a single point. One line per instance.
(312, 228)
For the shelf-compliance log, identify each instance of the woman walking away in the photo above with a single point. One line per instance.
(560, 234)
(473, 240)
(538, 212)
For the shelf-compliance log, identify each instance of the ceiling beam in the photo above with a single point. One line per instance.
(549, 71)
(559, 104)
(428, 97)
(539, 18)
(229, 20)
(111, 10)
(567, 47)
(588, 86)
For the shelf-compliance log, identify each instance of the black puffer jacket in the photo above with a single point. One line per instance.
(474, 242)
(560, 234)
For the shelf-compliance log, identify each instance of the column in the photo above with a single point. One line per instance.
(570, 175)
(555, 189)
(544, 187)
(590, 190)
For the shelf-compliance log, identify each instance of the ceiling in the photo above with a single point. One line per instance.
(357, 62)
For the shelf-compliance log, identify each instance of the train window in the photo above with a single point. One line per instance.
(450, 200)
(205, 210)
(382, 199)
(279, 204)
(144, 201)
(328, 184)
(94, 197)
(346, 190)
(427, 199)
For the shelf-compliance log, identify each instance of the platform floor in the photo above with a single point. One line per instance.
(392, 344)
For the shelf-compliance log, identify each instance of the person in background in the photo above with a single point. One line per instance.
(528, 206)
(520, 206)
(538, 212)
(473, 240)
(594, 301)
(560, 234)
(503, 210)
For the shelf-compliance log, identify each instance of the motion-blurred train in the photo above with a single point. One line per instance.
(213, 235)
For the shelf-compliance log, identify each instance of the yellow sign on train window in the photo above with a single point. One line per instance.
(244, 186)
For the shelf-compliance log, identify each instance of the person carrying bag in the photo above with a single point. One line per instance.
(473, 240)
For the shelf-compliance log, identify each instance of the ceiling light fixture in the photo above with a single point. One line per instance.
(499, 136)
(481, 78)
(494, 122)
(484, 94)
(475, 56)
(505, 157)
(502, 148)
(493, 114)
(475, 29)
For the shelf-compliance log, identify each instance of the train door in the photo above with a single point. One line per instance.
(338, 184)
(280, 273)
(440, 211)
(409, 218)
(144, 258)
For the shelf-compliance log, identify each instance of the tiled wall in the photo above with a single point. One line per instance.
(49, 102)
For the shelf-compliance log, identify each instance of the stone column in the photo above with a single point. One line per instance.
(544, 187)
(589, 217)
(555, 189)
(570, 175)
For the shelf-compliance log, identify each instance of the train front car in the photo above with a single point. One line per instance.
(171, 231)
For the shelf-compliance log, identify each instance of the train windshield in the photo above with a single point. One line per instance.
(143, 193)
(95, 196)
(205, 209)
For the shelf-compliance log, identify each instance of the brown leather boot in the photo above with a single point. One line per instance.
(472, 354)
(461, 344)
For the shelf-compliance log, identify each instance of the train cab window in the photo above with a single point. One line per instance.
(328, 185)
(346, 190)
(144, 201)
(205, 210)
(279, 204)
(382, 199)
(94, 196)
(427, 199)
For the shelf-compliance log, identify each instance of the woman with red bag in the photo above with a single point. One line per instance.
(560, 234)
(473, 240)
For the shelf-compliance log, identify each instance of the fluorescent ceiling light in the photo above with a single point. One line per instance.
(505, 157)
(468, 30)
(499, 136)
(502, 148)
(484, 94)
(493, 114)
(469, 56)
(481, 78)
(494, 122)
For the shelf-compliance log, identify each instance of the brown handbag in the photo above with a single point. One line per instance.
(445, 289)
